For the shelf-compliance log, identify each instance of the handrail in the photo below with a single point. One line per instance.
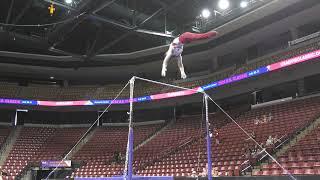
(286, 138)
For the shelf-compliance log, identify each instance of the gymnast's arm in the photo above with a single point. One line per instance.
(181, 67)
(168, 55)
(166, 59)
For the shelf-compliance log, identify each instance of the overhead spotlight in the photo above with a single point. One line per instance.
(51, 77)
(244, 4)
(206, 13)
(68, 1)
(223, 4)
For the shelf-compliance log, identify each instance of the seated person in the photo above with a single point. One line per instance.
(117, 157)
(275, 139)
(204, 172)
(256, 121)
(270, 143)
(215, 172)
(270, 117)
(216, 135)
(264, 119)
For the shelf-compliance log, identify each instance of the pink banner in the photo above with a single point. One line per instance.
(232, 79)
(64, 103)
(295, 60)
(176, 94)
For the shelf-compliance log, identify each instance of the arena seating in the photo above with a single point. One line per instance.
(80, 92)
(4, 133)
(9, 90)
(181, 160)
(97, 155)
(229, 155)
(179, 133)
(35, 144)
(42, 92)
(175, 150)
(300, 159)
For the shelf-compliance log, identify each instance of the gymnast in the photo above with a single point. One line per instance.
(176, 49)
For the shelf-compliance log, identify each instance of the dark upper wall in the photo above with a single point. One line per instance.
(270, 21)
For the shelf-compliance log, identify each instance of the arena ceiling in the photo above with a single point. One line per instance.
(70, 62)
(86, 28)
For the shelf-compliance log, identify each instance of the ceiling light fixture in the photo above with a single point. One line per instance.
(223, 4)
(68, 1)
(244, 4)
(206, 13)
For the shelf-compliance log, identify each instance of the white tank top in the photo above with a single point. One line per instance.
(177, 47)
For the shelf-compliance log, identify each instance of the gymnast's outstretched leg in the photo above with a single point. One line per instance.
(181, 68)
(189, 37)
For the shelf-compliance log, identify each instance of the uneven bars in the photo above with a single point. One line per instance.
(184, 88)
(105, 110)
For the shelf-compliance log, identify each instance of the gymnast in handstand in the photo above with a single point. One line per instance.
(176, 49)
